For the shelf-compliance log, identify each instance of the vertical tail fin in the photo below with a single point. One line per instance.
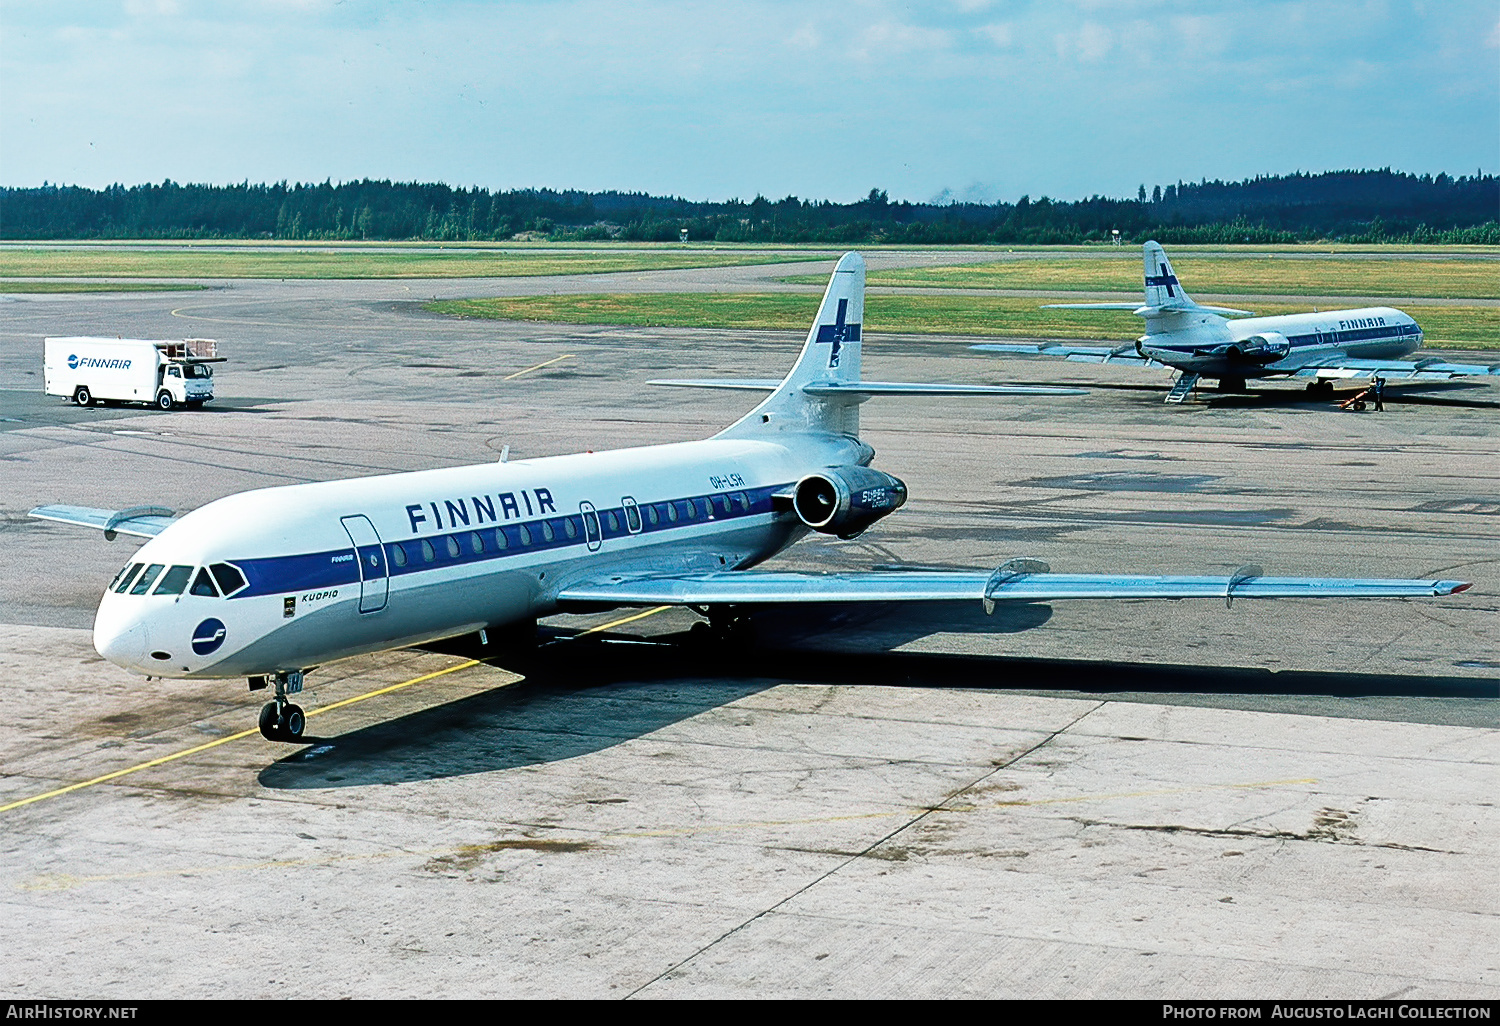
(831, 354)
(1162, 288)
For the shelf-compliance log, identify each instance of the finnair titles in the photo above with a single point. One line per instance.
(265, 584)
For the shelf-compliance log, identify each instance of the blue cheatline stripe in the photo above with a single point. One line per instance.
(336, 567)
(1325, 339)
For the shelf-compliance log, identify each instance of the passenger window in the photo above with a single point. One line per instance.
(398, 554)
(501, 541)
(524, 533)
(174, 372)
(708, 507)
(547, 534)
(476, 542)
(203, 585)
(174, 581)
(146, 579)
(743, 500)
(453, 546)
(613, 521)
(632, 518)
(126, 576)
(428, 552)
(652, 515)
(229, 577)
(672, 511)
(690, 509)
(570, 528)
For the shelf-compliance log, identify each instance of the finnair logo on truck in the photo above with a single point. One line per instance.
(75, 361)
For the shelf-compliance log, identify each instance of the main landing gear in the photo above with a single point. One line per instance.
(281, 720)
(726, 626)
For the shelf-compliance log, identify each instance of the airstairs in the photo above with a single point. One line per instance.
(1185, 384)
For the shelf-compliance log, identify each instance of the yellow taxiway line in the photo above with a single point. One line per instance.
(544, 363)
(104, 778)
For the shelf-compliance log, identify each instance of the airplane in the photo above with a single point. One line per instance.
(268, 584)
(1200, 342)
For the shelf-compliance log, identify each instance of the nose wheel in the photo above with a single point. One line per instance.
(281, 720)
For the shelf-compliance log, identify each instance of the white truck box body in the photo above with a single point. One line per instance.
(129, 369)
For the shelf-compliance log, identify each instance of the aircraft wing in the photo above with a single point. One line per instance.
(1337, 365)
(139, 521)
(1005, 584)
(1078, 354)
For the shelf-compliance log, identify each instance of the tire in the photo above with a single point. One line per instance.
(294, 723)
(82, 397)
(1231, 384)
(269, 728)
(164, 400)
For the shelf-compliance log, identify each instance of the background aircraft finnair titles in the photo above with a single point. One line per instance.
(267, 583)
(1200, 342)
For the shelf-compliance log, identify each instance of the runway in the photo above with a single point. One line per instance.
(1134, 799)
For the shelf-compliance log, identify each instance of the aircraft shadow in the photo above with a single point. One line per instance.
(585, 694)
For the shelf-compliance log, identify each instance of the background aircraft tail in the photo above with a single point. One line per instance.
(1162, 288)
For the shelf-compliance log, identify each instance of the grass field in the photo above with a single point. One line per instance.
(1261, 274)
(327, 262)
(95, 286)
(937, 314)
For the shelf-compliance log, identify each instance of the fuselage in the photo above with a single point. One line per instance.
(283, 578)
(1248, 347)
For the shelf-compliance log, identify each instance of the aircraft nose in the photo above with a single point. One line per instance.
(122, 642)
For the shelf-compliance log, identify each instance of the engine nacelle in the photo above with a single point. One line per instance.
(846, 500)
(1266, 347)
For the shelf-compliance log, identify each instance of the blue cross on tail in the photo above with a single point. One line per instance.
(838, 333)
(1165, 277)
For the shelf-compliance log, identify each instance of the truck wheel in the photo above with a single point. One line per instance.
(164, 400)
(82, 396)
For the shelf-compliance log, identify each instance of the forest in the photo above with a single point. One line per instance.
(1351, 206)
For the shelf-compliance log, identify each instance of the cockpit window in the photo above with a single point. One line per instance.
(124, 577)
(203, 585)
(147, 578)
(229, 577)
(174, 581)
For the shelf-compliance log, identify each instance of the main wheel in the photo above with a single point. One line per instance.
(82, 396)
(293, 720)
(270, 729)
(1231, 384)
(164, 400)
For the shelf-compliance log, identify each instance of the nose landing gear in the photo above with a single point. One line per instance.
(281, 720)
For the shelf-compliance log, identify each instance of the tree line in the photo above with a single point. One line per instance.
(1356, 206)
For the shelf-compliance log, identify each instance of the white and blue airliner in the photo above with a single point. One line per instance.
(268, 584)
(1200, 342)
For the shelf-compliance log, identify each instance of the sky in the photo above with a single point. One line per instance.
(968, 99)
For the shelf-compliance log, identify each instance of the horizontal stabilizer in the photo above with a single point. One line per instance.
(862, 390)
(776, 588)
(732, 384)
(139, 521)
(1153, 311)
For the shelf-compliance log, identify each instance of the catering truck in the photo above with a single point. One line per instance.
(131, 370)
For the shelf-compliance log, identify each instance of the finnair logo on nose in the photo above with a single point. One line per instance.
(208, 636)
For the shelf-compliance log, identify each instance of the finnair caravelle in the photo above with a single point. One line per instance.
(1201, 343)
(270, 583)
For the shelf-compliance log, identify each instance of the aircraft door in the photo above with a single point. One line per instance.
(592, 535)
(374, 582)
(632, 515)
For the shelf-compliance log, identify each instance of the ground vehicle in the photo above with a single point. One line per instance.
(162, 373)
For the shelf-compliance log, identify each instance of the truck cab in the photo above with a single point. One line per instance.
(189, 382)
